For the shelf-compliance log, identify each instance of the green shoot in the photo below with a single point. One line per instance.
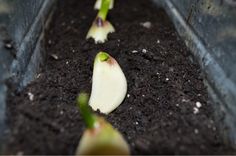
(88, 116)
(98, 4)
(104, 9)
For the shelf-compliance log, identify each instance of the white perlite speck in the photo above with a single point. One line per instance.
(9, 45)
(185, 100)
(38, 76)
(31, 96)
(49, 42)
(54, 56)
(128, 95)
(144, 51)
(147, 24)
(198, 104)
(195, 110)
(134, 51)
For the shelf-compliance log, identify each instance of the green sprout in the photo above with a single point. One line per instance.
(100, 138)
(101, 27)
(98, 4)
(103, 11)
(88, 116)
(103, 56)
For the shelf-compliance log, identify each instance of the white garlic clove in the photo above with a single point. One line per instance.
(109, 85)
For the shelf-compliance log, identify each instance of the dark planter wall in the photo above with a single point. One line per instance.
(22, 23)
(209, 30)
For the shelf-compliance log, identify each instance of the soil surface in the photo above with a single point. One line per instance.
(166, 110)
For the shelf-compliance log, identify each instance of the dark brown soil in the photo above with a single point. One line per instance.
(157, 117)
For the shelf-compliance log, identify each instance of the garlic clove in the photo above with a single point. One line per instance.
(109, 85)
(100, 30)
(103, 140)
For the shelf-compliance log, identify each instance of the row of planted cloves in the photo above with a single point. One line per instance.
(109, 87)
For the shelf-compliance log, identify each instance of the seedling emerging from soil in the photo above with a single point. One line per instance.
(101, 27)
(100, 138)
(98, 4)
(109, 85)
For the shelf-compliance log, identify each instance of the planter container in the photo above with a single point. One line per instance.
(208, 28)
(22, 23)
